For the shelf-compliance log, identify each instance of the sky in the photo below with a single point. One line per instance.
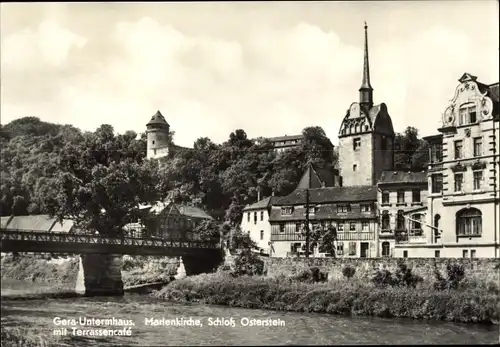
(269, 68)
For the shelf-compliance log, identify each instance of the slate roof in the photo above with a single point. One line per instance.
(329, 194)
(158, 119)
(188, 211)
(262, 204)
(286, 138)
(322, 212)
(390, 177)
(494, 91)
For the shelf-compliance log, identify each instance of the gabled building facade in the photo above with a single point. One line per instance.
(351, 210)
(255, 222)
(463, 213)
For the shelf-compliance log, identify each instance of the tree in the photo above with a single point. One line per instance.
(102, 181)
(411, 152)
(208, 230)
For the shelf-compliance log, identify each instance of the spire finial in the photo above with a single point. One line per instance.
(366, 95)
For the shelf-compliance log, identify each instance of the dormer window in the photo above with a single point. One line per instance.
(467, 114)
(356, 143)
(286, 211)
(312, 210)
(366, 207)
(343, 208)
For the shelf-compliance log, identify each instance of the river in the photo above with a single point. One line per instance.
(299, 329)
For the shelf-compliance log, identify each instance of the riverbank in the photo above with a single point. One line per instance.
(59, 274)
(345, 297)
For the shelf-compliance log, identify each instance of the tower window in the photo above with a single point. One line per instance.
(354, 167)
(356, 143)
(153, 142)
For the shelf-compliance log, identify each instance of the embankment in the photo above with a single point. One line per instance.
(345, 297)
(61, 272)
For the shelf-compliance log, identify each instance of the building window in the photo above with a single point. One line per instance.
(340, 226)
(312, 210)
(459, 180)
(386, 249)
(298, 227)
(261, 215)
(459, 149)
(248, 217)
(356, 143)
(478, 180)
(352, 248)
(343, 208)
(282, 228)
(286, 211)
(478, 147)
(365, 226)
(416, 224)
(401, 196)
(437, 254)
(467, 114)
(352, 226)
(366, 207)
(385, 197)
(465, 253)
(400, 225)
(472, 253)
(405, 254)
(354, 167)
(255, 218)
(415, 195)
(436, 153)
(340, 248)
(385, 221)
(437, 183)
(153, 142)
(262, 234)
(469, 222)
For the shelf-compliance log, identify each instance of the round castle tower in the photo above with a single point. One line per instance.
(157, 131)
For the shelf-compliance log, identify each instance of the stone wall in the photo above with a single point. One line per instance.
(479, 269)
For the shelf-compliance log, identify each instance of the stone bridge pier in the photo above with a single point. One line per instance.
(100, 275)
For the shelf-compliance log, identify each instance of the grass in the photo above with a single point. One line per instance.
(346, 297)
(16, 337)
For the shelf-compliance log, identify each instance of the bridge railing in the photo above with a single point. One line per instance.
(43, 236)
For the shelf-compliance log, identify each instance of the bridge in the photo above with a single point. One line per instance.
(100, 260)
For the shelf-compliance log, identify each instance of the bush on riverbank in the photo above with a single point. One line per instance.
(336, 297)
(15, 337)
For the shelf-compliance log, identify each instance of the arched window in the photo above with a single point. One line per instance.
(400, 221)
(385, 221)
(386, 249)
(469, 222)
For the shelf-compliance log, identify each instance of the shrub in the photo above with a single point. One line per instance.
(404, 277)
(312, 275)
(247, 263)
(382, 278)
(348, 271)
(455, 274)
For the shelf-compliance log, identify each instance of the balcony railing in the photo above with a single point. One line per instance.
(356, 236)
(415, 236)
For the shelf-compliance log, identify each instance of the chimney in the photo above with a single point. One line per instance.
(258, 194)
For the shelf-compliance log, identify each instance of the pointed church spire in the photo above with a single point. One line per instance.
(366, 90)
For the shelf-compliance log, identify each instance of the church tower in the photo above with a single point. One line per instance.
(157, 131)
(366, 136)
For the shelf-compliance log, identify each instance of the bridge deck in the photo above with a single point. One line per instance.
(36, 241)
